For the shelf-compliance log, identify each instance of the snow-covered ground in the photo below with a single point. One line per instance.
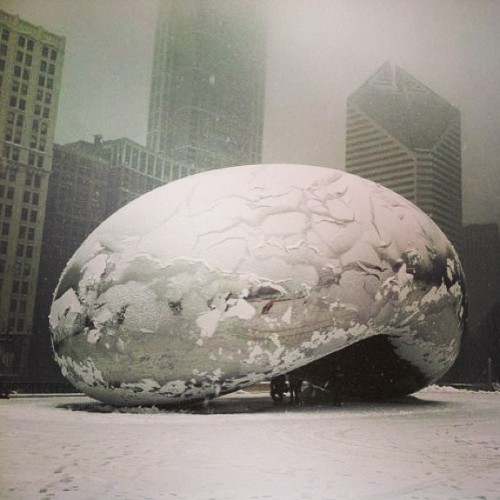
(436, 444)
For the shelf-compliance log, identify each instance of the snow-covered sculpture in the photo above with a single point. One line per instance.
(217, 281)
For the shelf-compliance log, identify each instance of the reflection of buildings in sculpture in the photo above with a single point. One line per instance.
(31, 60)
(207, 93)
(89, 181)
(407, 138)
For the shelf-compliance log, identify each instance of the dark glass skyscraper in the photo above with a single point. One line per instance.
(207, 93)
(404, 136)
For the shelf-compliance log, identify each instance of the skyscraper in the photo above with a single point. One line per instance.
(31, 60)
(207, 93)
(404, 136)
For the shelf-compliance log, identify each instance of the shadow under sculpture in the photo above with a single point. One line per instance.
(223, 279)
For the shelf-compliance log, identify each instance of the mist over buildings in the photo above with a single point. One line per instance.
(318, 53)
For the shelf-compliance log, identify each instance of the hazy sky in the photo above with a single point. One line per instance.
(319, 52)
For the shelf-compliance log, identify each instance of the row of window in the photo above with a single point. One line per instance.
(12, 327)
(19, 87)
(40, 96)
(26, 43)
(13, 153)
(46, 67)
(21, 268)
(38, 136)
(7, 192)
(21, 249)
(20, 287)
(33, 180)
(6, 210)
(25, 58)
(29, 197)
(18, 306)
(20, 103)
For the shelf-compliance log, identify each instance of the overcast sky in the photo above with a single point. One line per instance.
(319, 52)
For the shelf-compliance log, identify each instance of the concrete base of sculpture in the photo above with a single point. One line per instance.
(223, 279)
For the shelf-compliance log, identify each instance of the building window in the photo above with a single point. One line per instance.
(24, 214)
(53, 55)
(5, 35)
(17, 71)
(35, 198)
(41, 81)
(15, 286)
(3, 247)
(13, 305)
(28, 59)
(22, 232)
(29, 252)
(10, 193)
(38, 109)
(43, 66)
(45, 51)
(19, 56)
(5, 229)
(46, 112)
(24, 288)
(38, 181)
(39, 94)
(50, 83)
(20, 250)
(8, 211)
(31, 233)
(22, 41)
(26, 197)
(33, 215)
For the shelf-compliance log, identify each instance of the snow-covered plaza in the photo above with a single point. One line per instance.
(439, 443)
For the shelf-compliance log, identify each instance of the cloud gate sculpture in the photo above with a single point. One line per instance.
(217, 281)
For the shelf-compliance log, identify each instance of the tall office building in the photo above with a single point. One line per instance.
(31, 60)
(404, 136)
(207, 94)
